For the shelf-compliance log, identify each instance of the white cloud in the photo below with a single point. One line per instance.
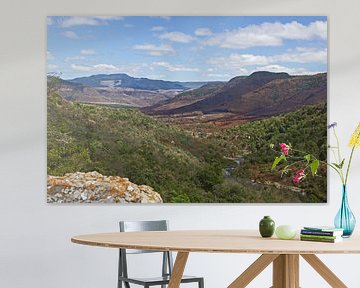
(155, 50)
(175, 68)
(303, 55)
(71, 35)
(244, 64)
(49, 55)
(97, 68)
(157, 28)
(88, 52)
(74, 58)
(203, 32)
(268, 34)
(320, 29)
(177, 37)
(52, 66)
(239, 60)
(299, 55)
(289, 70)
(135, 70)
(87, 20)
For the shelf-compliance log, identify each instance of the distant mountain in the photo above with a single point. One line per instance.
(259, 95)
(186, 98)
(115, 96)
(281, 96)
(79, 93)
(126, 81)
(194, 85)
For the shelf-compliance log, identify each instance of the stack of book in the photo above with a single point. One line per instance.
(321, 234)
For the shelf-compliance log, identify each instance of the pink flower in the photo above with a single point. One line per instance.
(299, 175)
(284, 148)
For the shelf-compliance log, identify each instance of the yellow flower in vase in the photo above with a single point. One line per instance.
(355, 138)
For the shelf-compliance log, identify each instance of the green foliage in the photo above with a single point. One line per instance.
(125, 142)
(304, 129)
(182, 168)
(277, 161)
(314, 166)
(182, 198)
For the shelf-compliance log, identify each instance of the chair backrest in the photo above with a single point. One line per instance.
(134, 226)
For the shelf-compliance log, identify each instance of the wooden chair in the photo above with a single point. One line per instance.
(167, 262)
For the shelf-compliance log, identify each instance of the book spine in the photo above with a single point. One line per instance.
(318, 239)
(319, 233)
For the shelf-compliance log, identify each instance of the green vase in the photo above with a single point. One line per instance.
(267, 227)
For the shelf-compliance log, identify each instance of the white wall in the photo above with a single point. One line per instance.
(35, 248)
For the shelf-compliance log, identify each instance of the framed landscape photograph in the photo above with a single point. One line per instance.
(184, 109)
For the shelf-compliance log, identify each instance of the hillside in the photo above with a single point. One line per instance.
(305, 129)
(259, 95)
(280, 96)
(183, 168)
(115, 96)
(185, 98)
(127, 143)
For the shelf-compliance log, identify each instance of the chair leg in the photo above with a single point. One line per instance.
(201, 283)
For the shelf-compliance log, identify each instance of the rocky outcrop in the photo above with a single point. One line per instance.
(92, 187)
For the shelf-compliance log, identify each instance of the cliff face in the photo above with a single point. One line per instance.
(92, 187)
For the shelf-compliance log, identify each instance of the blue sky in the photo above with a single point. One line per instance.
(199, 48)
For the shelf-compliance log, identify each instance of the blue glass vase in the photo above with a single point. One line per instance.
(345, 219)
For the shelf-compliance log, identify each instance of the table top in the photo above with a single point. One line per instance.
(217, 241)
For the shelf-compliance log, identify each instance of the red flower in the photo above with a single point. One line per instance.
(299, 175)
(284, 148)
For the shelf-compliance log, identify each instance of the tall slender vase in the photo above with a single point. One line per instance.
(345, 219)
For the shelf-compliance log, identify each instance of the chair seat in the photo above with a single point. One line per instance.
(158, 280)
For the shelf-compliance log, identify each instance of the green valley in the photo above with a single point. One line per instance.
(125, 142)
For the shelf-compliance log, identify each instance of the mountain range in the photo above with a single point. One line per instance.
(125, 81)
(114, 96)
(121, 90)
(261, 94)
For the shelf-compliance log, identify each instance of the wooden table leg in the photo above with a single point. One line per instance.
(178, 270)
(324, 271)
(253, 270)
(286, 271)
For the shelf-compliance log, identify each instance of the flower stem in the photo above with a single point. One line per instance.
(338, 145)
(348, 167)
(350, 159)
(337, 171)
(339, 155)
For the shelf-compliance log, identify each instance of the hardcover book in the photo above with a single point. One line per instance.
(322, 232)
(324, 239)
